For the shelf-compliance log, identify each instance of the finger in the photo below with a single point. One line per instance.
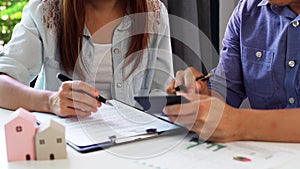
(197, 127)
(70, 112)
(83, 106)
(194, 96)
(181, 109)
(171, 88)
(99, 104)
(190, 96)
(66, 86)
(179, 78)
(81, 113)
(187, 120)
(68, 107)
(172, 118)
(84, 87)
(68, 99)
(202, 87)
(83, 98)
(63, 110)
(189, 79)
(67, 92)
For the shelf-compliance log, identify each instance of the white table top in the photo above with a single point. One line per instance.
(124, 156)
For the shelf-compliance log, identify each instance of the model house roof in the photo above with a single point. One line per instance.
(51, 124)
(22, 114)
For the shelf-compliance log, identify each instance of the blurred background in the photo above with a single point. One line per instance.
(10, 15)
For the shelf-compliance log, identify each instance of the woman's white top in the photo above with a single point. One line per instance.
(102, 69)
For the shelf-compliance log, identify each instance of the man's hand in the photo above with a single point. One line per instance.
(210, 117)
(187, 78)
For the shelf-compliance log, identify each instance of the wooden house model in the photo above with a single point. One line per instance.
(20, 134)
(50, 141)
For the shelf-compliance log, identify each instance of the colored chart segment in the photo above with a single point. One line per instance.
(242, 159)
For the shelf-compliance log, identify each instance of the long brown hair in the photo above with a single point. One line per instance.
(70, 34)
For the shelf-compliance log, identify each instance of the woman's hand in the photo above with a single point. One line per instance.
(187, 78)
(208, 116)
(74, 98)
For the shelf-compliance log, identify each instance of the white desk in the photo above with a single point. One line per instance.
(123, 156)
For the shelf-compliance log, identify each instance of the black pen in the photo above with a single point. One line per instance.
(64, 78)
(202, 78)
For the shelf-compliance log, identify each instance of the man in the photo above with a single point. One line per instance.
(259, 61)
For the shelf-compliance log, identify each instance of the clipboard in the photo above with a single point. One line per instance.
(155, 104)
(111, 126)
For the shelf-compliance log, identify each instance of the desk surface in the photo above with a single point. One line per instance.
(132, 155)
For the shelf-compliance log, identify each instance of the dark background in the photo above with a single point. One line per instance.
(205, 15)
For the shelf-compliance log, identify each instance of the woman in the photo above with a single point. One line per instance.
(71, 37)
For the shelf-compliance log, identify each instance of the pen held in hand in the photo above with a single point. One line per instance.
(202, 78)
(103, 100)
(64, 78)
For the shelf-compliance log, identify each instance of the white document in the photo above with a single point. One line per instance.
(194, 155)
(119, 121)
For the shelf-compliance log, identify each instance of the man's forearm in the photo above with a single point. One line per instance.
(271, 125)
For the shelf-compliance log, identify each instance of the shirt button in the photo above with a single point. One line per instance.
(259, 54)
(292, 100)
(295, 24)
(292, 63)
(119, 85)
(116, 50)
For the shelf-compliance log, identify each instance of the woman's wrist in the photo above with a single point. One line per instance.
(48, 101)
(41, 103)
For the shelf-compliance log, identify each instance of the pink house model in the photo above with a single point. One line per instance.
(50, 141)
(20, 133)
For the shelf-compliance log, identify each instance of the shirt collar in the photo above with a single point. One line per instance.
(280, 10)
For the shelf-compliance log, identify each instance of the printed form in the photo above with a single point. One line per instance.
(119, 122)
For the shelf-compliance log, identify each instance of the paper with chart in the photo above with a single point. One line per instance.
(120, 121)
(192, 154)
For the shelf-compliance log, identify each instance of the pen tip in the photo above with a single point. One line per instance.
(108, 103)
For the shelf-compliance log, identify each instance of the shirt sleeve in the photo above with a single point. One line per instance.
(228, 75)
(21, 58)
(164, 72)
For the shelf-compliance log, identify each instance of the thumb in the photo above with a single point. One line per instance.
(202, 87)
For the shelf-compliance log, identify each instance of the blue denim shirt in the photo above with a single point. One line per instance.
(33, 51)
(260, 57)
